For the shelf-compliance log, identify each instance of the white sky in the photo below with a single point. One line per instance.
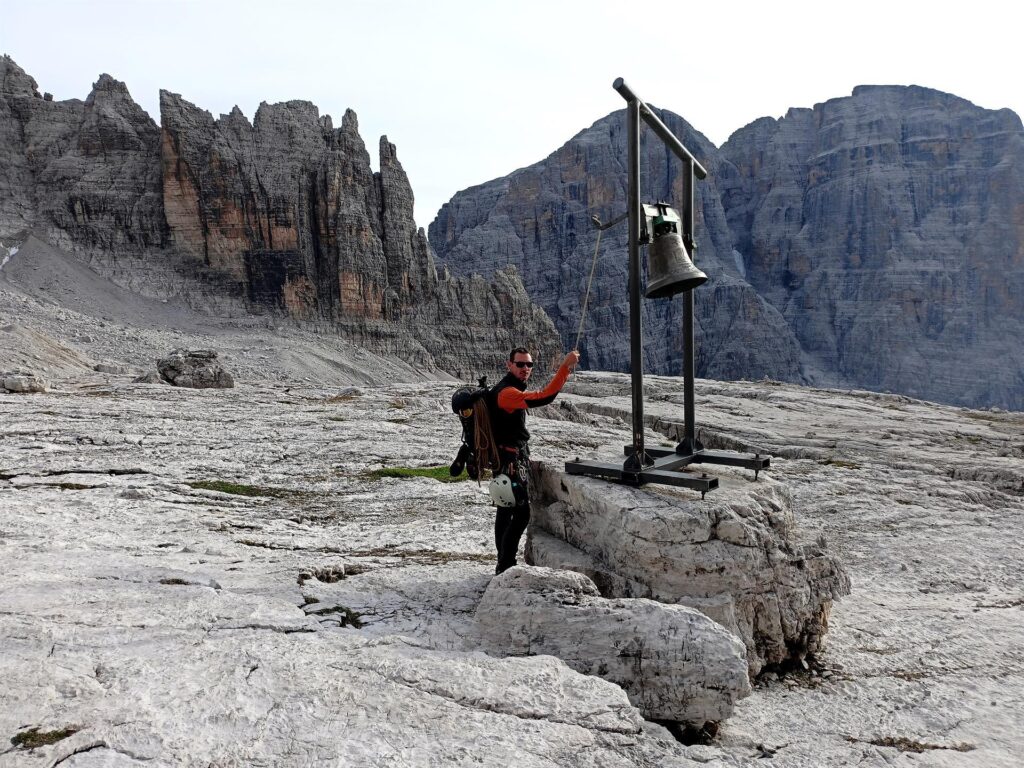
(469, 91)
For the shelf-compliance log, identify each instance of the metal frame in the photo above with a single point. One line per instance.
(656, 465)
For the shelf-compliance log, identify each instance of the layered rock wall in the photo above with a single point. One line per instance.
(538, 220)
(282, 215)
(874, 241)
(888, 228)
(83, 174)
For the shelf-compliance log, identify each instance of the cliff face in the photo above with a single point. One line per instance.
(888, 228)
(538, 220)
(873, 241)
(284, 214)
(84, 174)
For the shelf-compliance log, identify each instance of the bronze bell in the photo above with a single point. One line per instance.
(669, 269)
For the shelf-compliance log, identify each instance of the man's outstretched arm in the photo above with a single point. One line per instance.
(511, 399)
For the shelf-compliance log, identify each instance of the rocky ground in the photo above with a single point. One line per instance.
(218, 577)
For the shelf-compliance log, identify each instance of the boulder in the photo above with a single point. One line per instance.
(22, 381)
(196, 368)
(733, 556)
(673, 662)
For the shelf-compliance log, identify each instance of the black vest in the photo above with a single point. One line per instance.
(509, 428)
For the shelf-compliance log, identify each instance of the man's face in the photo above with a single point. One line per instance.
(521, 366)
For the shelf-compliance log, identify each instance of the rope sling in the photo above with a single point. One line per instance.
(586, 296)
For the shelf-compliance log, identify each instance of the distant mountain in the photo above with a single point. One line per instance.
(874, 241)
(283, 215)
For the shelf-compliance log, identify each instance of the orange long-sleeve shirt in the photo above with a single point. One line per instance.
(511, 399)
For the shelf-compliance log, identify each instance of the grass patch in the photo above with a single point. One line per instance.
(33, 738)
(239, 489)
(440, 473)
(342, 398)
(904, 744)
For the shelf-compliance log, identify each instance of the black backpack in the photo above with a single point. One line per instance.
(469, 404)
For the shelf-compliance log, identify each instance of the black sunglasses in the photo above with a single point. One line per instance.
(520, 364)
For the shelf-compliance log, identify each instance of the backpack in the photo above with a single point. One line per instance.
(478, 451)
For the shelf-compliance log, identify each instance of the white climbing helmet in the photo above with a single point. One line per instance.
(501, 491)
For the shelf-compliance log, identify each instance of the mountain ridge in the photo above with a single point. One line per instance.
(281, 216)
(948, 288)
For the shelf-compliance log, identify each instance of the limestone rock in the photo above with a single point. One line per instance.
(83, 174)
(283, 215)
(675, 663)
(538, 220)
(22, 381)
(198, 369)
(874, 241)
(340, 246)
(183, 674)
(734, 553)
(885, 226)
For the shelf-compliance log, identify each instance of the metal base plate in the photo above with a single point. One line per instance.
(670, 468)
(652, 474)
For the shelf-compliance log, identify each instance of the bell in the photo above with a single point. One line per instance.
(669, 269)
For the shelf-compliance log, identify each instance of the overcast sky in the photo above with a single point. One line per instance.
(469, 91)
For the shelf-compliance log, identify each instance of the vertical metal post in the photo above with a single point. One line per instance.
(637, 461)
(689, 444)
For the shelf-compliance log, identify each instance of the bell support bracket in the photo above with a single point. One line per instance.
(658, 465)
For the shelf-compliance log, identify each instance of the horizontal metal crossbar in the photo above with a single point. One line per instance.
(652, 474)
(755, 462)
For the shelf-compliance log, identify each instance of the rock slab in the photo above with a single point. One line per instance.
(733, 555)
(674, 662)
(22, 381)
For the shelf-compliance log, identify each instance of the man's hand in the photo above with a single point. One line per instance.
(571, 360)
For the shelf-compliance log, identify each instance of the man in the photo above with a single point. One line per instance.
(508, 404)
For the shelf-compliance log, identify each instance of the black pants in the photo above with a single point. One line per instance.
(511, 522)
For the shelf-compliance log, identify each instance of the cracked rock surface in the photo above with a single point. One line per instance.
(191, 576)
(171, 590)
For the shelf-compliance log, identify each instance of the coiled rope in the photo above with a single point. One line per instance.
(485, 447)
